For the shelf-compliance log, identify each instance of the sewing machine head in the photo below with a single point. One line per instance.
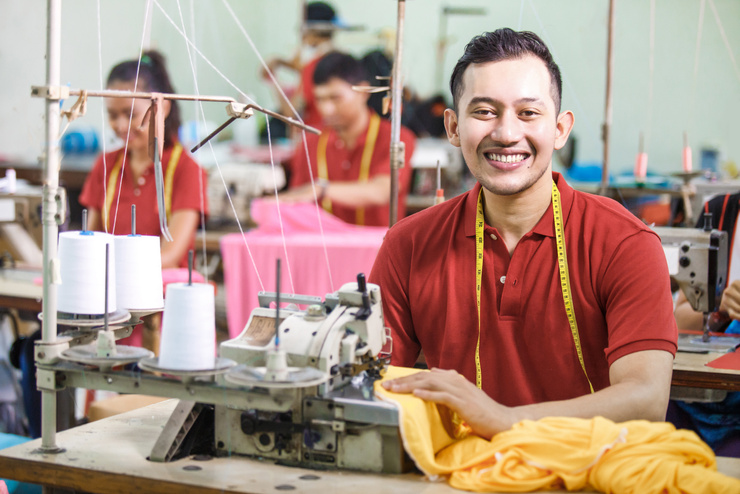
(697, 262)
(319, 409)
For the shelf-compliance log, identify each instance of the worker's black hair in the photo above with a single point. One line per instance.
(504, 44)
(340, 65)
(153, 77)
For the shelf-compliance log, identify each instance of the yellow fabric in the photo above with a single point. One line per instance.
(559, 453)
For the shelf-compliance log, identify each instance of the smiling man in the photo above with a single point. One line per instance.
(537, 299)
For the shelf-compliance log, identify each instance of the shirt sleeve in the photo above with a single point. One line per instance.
(299, 167)
(393, 283)
(190, 186)
(92, 195)
(637, 295)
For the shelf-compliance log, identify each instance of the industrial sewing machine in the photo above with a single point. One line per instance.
(301, 395)
(697, 262)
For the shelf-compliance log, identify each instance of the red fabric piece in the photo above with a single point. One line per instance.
(344, 165)
(618, 279)
(185, 194)
(729, 361)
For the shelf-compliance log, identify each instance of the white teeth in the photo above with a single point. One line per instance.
(506, 158)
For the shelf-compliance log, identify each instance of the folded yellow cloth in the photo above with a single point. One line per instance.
(559, 453)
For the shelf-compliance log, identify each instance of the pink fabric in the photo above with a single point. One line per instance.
(3, 487)
(351, 250)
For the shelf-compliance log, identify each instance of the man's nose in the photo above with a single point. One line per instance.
(507, 128)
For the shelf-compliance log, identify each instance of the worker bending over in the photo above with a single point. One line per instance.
(350, 160)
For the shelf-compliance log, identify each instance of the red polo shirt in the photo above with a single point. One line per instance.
(343, 165)
(187, 181)
(618, 279)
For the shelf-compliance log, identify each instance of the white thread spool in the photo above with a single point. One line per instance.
(82, 269)
(188, 327)
(138, 272)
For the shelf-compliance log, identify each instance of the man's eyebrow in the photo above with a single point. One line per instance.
(492, 101)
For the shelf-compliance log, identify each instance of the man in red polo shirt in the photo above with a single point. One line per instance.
(350, 160)
(532, 318)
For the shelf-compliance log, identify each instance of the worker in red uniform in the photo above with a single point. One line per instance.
(119, 180)
(537, 300)
(316, 40)
(350, 160)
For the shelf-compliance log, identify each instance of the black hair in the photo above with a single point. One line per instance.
(504, 44)
(320, 14)
(153, 77)
(340, 65)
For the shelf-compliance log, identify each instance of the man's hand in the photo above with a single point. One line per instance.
(731, 300)
(303, 193)
(446, 387)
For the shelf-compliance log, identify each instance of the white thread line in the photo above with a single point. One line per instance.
(692, 107)
(131, 115)
(102, 116)
(318, 210)
(200, 175)
(651, 71)
(305, 144)
(262, 61)
(277, 203)
(724, 39)
(589, 124)
(521, 16)
(226, 79)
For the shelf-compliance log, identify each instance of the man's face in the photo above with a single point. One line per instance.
(338, 104)
(506, 124)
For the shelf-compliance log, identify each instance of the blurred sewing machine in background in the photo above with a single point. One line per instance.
(697, 262)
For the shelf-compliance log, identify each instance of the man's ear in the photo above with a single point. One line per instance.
(452, 127)
(565, 124)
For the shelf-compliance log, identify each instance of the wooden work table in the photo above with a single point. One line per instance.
(109, 456)
(689, 370)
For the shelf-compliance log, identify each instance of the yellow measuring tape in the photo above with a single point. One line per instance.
(168, 181)
(367, 157)
(562, 268)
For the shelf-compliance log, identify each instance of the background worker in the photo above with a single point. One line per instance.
(317, 33)
(186, 194)
(350, 160)
(125, 176)
(475, 282)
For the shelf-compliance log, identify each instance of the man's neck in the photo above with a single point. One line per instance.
(351, 133)
(515, 216)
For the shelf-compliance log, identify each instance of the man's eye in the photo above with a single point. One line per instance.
(528, 113)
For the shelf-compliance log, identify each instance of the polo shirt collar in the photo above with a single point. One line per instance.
(543, 227)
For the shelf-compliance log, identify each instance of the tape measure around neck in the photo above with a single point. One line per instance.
(562, 269)
(168, 183)
(367, 156)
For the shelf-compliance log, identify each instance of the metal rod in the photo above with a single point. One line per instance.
(608, 105)
(190, 267)
(397, 148)
(277, 305)
(84, 220)
(133, 219)
(50, 229)
(212, 134)
(107, 274)
(109, 93)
